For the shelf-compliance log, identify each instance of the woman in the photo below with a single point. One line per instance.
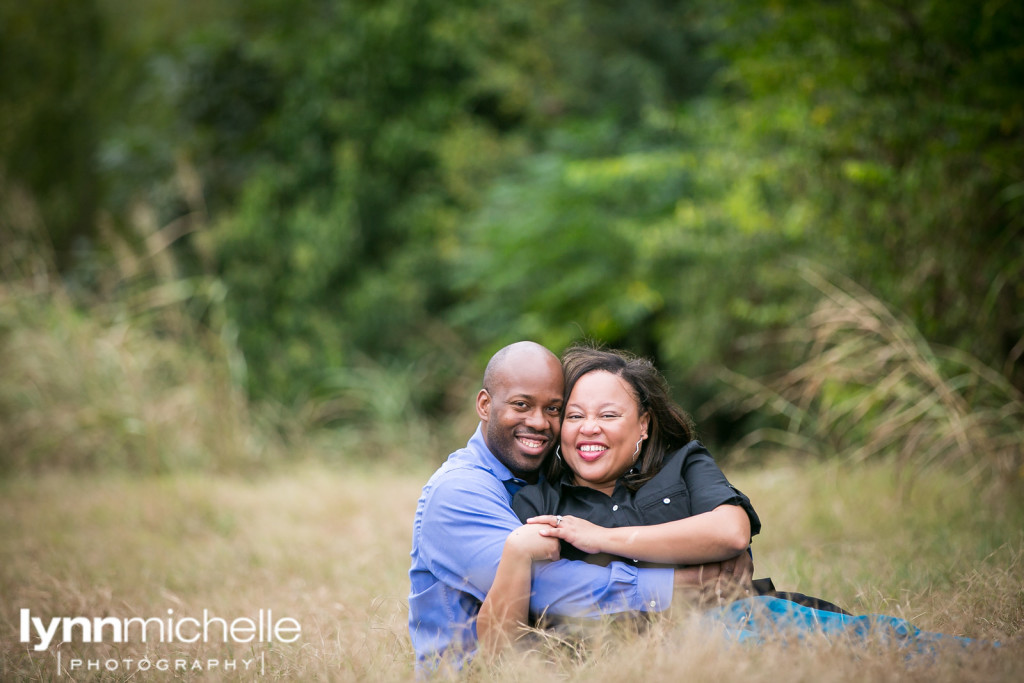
(629, 482)
(628, 462)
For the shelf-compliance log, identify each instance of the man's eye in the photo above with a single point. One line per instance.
(520, 404)
(554, 410)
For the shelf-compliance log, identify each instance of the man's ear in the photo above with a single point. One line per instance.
(483, 405)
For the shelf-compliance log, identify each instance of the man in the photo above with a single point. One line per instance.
(464, 516)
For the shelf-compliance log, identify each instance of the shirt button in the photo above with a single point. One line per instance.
(666, 501)
(653, 603)
(614, 508)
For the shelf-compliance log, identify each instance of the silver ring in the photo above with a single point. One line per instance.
(558, 519)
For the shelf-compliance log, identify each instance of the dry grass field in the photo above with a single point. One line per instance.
(138, 482)
(329, 549)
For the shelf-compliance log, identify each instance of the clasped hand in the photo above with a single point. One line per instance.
(707, 584)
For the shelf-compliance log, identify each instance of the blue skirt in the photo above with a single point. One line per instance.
(762, 618)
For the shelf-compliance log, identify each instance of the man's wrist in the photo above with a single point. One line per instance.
(687, 577)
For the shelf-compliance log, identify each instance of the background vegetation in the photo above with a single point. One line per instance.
(239, 236)
(384, 192)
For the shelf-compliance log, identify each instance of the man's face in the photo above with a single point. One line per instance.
(522, 415)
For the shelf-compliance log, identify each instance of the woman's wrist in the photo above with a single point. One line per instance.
(612, 540)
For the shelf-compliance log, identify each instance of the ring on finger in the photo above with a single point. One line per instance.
(558, 520)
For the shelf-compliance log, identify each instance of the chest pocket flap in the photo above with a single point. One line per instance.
(665, 505)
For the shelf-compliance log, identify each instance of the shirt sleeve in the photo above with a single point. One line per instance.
(465, 522)
(708, 487)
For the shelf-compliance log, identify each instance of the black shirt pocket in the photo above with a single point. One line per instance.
(668, 505)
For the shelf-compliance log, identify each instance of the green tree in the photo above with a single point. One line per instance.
(911, 117)
(51, 71)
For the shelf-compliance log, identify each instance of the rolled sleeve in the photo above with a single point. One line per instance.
(708, 486)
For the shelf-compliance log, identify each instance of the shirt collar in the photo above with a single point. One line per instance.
(481, 455)
(566, 481)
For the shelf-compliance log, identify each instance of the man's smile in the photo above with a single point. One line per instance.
(532, 442)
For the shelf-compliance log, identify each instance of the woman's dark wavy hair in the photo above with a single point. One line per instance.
(670, 428)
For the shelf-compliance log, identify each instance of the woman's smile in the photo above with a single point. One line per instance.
(591, 451)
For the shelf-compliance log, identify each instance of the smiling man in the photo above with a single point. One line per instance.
(464, 516)
(520, 407)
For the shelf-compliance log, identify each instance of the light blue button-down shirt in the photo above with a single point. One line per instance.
(462, 520)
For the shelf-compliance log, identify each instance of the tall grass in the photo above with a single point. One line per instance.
(870, 385)
(129, 365)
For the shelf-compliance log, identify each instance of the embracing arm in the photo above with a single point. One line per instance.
(466, 521)
(507, 605)
(711, 536)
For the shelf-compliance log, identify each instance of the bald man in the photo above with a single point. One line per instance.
(464, 516)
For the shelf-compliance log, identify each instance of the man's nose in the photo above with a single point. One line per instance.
(536, 420)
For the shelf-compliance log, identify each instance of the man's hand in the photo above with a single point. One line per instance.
(714, 583)
(528, 542)
(738, 573)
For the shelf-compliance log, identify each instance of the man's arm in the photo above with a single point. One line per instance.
(465, 523)
(714, 583)
(508, 602)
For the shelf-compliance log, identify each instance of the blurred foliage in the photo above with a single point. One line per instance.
(911, 118)
(380, 194)
(868, 384)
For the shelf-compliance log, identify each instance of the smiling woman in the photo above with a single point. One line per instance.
(602, 431)
(630, 482)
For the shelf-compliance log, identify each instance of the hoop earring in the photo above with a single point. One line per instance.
(558, 452)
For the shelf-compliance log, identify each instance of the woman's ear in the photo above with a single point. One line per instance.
(645, 421)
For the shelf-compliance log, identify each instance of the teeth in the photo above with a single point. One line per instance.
(592, 449)
(531, 443)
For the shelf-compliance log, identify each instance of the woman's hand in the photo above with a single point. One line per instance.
(580, 533)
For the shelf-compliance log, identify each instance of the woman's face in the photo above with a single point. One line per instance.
(600, 428)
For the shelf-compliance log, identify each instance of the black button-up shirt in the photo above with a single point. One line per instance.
(688, 483)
